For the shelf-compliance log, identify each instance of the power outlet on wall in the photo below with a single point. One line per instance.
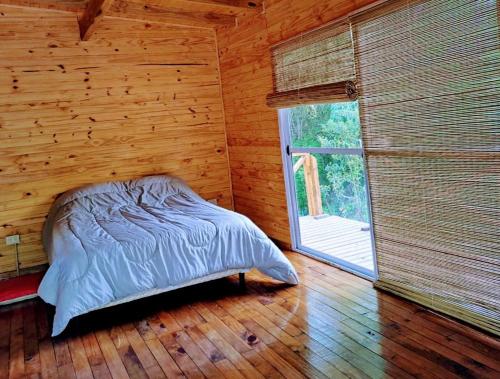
(13, 239)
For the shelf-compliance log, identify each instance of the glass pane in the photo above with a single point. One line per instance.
(333, 206)
(342, 184)
(325, 125)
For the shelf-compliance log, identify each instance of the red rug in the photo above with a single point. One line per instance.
(20, 287)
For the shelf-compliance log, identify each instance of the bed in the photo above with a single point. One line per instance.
(119, 241)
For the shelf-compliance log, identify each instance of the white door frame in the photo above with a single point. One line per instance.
(293, 215)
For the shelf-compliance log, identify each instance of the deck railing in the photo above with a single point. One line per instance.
(311, 178)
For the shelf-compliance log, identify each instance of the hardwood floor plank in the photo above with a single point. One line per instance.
(323, 305)
(332, 325)
(169, 322)
(79, 358)
(394, 320)
(110, 354)
(314, 345)
(418, 317)
(264, 352)
(177, 352)
(210, 350)
(254, 356)
(305, 348)
(320, 330)
(164, 359)
(147, 330)
(16, 361)
(199, 358)
(263, 366)
(31, 350)
(47, 356)
(5, 322)
(339, 342)
(226, 368)
(127, 354)
(63, 359)
(95, 357)
(140, 348)
(229, 351)
(222, 329)
(290, 357)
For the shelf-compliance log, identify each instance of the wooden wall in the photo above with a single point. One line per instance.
(136, 99)
(252, 127)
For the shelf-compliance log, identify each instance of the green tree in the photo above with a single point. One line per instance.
(341, 177)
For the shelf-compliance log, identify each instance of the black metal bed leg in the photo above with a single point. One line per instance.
(241, 276)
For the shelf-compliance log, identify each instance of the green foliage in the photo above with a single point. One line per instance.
(341, 177)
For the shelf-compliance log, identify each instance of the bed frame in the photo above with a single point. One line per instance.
(157, 291)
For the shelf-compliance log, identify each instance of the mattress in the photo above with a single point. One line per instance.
(112, 241)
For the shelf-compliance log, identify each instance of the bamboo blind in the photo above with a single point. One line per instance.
(428, 75)
(315, 67)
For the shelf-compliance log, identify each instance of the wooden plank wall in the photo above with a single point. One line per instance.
(252, 127)
(136, 99)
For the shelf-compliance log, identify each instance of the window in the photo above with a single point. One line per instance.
(327, 184)
(428, 75)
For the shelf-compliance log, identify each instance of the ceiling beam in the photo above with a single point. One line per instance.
(194, 13)
(187, 16)
(239, 4)
(92, 16)
(60, 5)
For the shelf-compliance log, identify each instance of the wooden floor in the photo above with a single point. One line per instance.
(333, 325)
(338, 237)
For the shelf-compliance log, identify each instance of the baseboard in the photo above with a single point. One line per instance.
(24, 271)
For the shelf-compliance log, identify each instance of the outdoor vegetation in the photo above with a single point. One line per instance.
(341, 177)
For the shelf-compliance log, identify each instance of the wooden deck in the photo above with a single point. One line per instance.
(332, 325)
(339, 237)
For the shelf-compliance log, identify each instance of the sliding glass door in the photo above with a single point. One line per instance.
(326, 185)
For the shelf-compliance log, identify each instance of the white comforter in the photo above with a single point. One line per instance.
(113, 240)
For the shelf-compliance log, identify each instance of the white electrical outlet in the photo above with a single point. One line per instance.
(12, 240)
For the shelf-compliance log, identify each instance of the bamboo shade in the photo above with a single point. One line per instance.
(428, 77)
(312, 67)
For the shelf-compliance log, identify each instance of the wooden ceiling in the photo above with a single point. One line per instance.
(194, 13)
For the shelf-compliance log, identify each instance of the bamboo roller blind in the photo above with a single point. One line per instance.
(314, 67)
(428, 76)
